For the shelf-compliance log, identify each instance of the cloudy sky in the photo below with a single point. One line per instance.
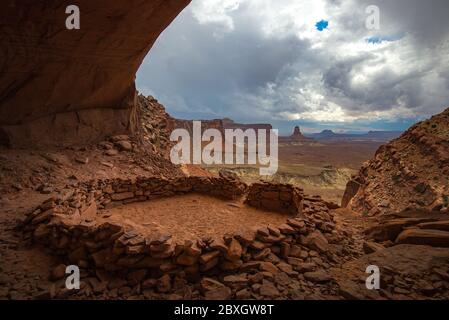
(269, 61)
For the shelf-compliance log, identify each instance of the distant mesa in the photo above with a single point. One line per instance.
(221, 125)
(381, 136)
(325, 134)
(230, 124)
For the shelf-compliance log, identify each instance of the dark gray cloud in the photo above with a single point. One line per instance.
(425, 21)
(262, 60)
(198, 69)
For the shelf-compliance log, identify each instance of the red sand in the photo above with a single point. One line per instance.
(192, 215)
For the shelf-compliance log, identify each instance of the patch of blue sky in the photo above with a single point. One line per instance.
(322, 25)
(380, 39)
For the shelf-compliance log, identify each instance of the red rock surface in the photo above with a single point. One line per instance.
(407, 272)
(69, 86)
(410, 172)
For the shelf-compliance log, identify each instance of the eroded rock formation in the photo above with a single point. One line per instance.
(410, 172)
(297, 132)
(297, 136)
(60, 86)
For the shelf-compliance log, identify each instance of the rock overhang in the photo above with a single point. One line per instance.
(60, 86)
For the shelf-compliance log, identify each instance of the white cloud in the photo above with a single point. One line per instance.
(215, 11)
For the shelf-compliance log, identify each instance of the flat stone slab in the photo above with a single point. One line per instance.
(390, 229)
(412, 262)
(438, 225)
(434, 238)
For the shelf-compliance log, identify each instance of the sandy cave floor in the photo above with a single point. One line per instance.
(193, 216)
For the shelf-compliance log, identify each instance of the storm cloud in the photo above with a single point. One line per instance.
(266, 61)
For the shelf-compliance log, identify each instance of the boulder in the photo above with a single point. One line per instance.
(124, 145)
(317, 276)
(58, 272)
(317, 241)
(234, 251)
(268, 266)
(207, 257)
(223, 293)
(239, 279)
(268, 290)
(370, 247)
(214, 290)
(164, 284)
(186, 260)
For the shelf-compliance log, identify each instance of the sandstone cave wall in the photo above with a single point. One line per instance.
(60, 86)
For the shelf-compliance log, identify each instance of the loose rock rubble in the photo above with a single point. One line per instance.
(51, 170)
(406, 272)
(410, 249)
(156, 125)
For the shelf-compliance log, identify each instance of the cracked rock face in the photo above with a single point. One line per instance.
(410, 172)
(60, 86)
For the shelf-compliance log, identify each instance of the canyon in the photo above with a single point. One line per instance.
(86, 180)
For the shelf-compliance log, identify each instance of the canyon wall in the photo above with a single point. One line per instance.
(410, 172)
(220, 124)
(60, 86)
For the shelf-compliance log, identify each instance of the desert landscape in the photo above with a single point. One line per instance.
(86, 181)
(321, 167)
